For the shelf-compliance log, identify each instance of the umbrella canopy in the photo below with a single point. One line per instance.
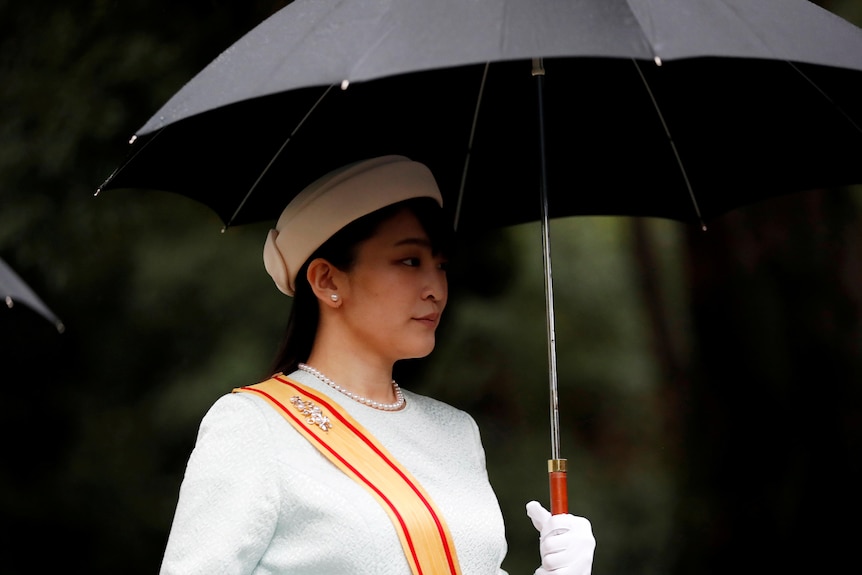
(681, 109)
(13, 289)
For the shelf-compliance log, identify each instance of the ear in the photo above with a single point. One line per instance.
(324, 279)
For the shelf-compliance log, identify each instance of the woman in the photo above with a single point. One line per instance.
(329, 466)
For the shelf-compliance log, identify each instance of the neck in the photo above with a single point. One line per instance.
(396, 405)
(369, 380)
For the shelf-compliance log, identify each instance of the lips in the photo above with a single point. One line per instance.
(429, 319)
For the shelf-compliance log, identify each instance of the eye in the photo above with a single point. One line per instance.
(412, 262)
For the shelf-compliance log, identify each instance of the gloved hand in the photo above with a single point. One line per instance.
(566, 542)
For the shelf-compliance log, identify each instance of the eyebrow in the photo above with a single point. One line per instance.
(424, 242)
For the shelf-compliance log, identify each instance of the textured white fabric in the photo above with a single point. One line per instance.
(258, 498)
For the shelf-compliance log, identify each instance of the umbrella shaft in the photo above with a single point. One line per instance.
(552, 344)
(538, 72)
(556, 465)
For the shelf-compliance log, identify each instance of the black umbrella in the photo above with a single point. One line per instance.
(680, 109)
(13, 289)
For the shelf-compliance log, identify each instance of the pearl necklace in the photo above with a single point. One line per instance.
(399, 403)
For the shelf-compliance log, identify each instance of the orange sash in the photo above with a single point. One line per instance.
(424, 535)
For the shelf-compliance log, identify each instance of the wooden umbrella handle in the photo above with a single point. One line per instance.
(559, 490)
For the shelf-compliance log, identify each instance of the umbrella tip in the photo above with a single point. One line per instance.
(133, 138)
(657, 61)
(345, 84)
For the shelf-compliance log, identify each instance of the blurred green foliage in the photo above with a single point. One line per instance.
(164, 313)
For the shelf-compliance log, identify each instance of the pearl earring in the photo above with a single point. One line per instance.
(334, 297)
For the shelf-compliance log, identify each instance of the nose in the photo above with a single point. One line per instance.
(436, 287)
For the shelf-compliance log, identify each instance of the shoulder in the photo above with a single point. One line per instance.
(437, 410)
(448, 427)
(429, 403)
(239, 415)
(241, 431)
(235, 406)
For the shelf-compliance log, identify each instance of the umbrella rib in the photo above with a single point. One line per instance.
(276, 155)
(470, 145)
(672, 144)
(837, 107)
(128, 160)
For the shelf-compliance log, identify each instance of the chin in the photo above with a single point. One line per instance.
(420, 352)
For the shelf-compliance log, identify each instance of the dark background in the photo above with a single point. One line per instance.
(709, 381)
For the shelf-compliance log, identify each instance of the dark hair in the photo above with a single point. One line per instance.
(340, 250)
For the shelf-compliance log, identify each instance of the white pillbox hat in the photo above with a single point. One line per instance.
(335, 200)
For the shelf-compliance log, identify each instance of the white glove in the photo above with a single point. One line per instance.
(566, 542)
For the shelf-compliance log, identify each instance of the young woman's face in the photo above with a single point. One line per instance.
(395, 292)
